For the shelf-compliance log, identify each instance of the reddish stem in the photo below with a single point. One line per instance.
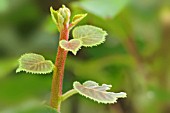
(58, 74)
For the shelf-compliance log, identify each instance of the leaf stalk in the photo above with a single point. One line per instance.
(68, 94)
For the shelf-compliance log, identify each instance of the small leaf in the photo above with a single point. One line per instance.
(73, 45)
(57, 18)
(34, 63)
(90, 35)
(92, 90)
(54, 15)
(76, 19)
(60, 22)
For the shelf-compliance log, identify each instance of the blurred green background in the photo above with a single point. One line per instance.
(135, 57)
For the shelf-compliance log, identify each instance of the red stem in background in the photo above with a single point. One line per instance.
(58, 74)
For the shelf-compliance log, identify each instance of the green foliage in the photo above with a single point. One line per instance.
(3, 6)
(27, 26)
(76, 19)
(39, 109)
(92, 90)
(31, 107)
(102, 8)
(6, 66)
(87, 36)
(35, 64)
(12, 90)
(60, 16)
(90, 35)
(73, 45)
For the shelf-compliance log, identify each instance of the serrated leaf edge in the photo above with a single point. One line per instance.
(104, 102)
(19, 69)
(102, 41)
(73, 51)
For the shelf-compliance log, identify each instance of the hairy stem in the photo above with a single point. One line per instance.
(58, 74)
(68, 94)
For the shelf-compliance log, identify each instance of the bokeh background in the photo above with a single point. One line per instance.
(135, 57)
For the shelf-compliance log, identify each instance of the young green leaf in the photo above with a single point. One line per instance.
(90, 35)
(54, 15)
(73, 45)
(60, 16)
(92, 90)
(76, 19)
(57, 18)
(34, 63)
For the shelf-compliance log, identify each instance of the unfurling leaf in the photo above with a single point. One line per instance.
(76, 19)
(34, 63)
(61, 16)
(54, 15)
(65, 12)
(90, 35)
(57, 18)
(73, 45)
(92, 90)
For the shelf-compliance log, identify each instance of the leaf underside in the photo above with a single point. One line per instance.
(73, 45)
(35, 64)
(92, 90)
(90, 35)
